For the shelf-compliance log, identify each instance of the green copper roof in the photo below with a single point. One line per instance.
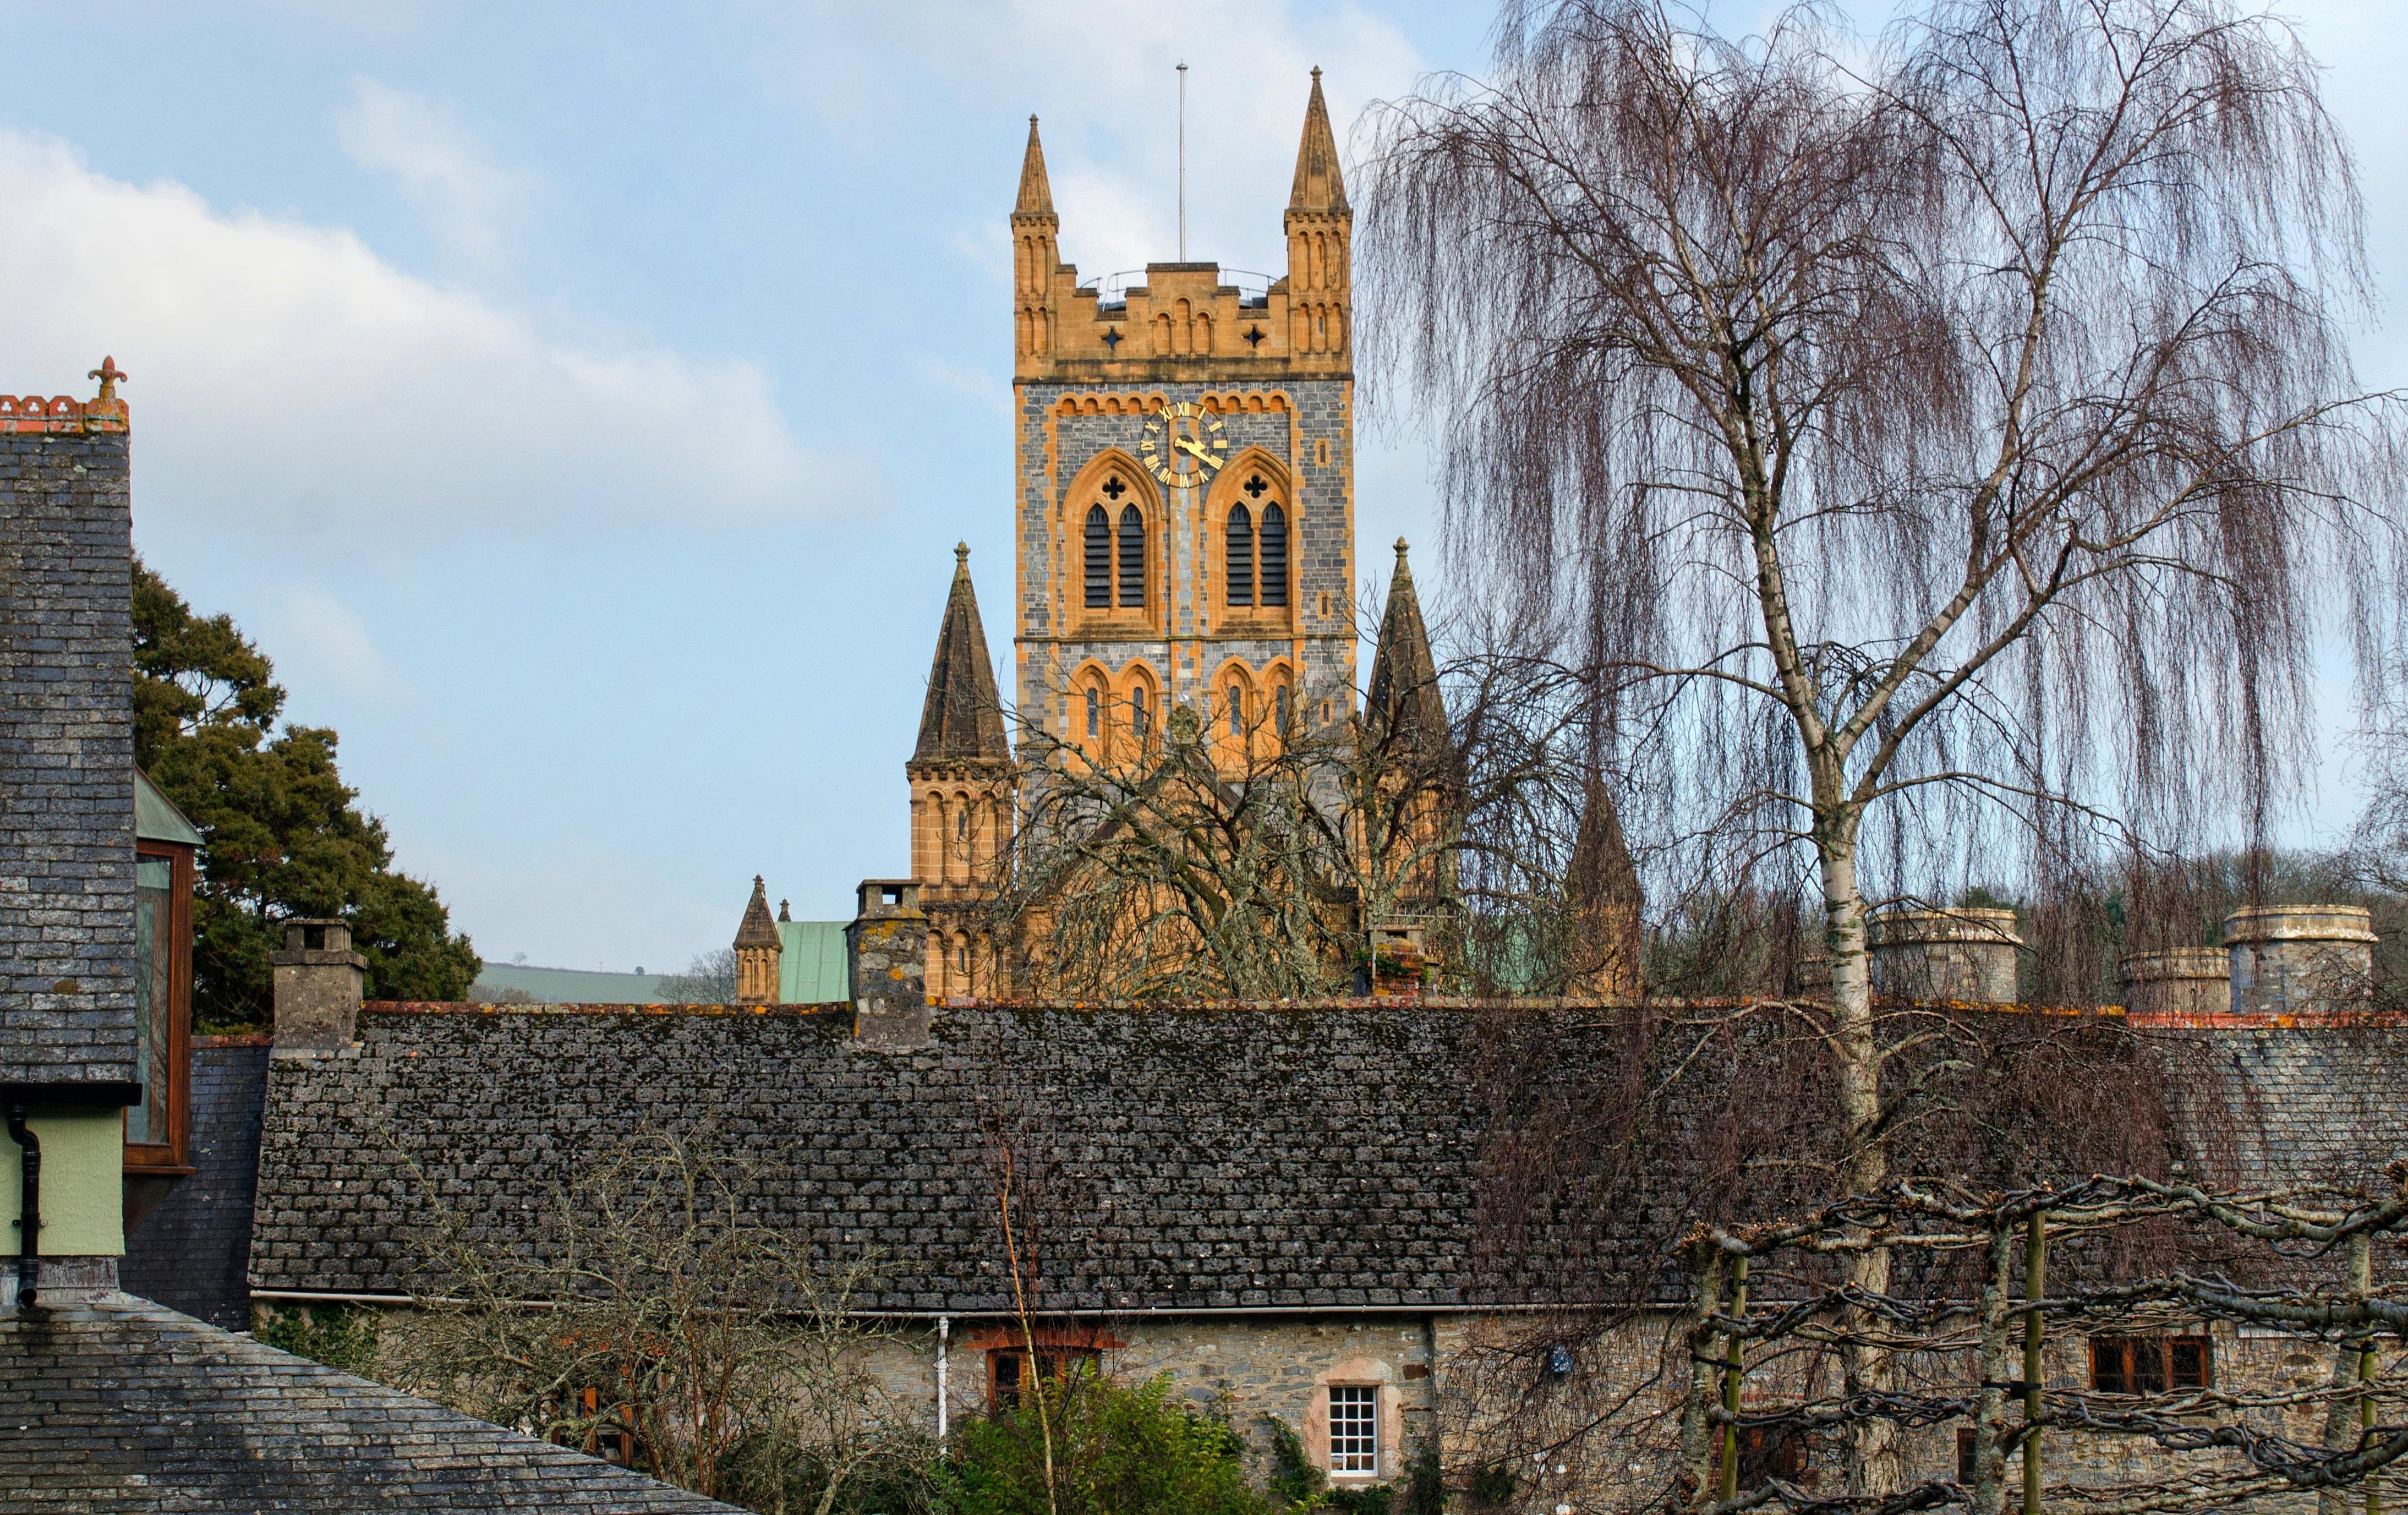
(810, 963)
(156, 819)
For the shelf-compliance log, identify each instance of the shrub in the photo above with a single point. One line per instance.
(1115, 1448)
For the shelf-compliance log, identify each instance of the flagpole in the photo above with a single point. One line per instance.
(1183, 162)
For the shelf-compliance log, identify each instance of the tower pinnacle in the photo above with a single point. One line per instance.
(1319, 183)
(1036, 193)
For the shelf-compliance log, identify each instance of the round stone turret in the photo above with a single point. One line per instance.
(2292, 959)
(2182, 981)
(1962, 954)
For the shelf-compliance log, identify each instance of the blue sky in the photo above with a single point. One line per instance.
(580, 402)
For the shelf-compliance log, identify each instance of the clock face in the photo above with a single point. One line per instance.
(1183, 445)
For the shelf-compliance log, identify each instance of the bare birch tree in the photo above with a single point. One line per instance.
(1953, 438)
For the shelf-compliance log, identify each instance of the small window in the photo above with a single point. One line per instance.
(1094, 712)
(1240, 578)
(1770, 1451)
(1279, 710)
(1099, 559)
(1140, 716)
(1966, 1457)
(1132, 557)
(1274, 559)
(1009, 1377)
(2150, 1364)
(1354, 1429)
(1237, 710)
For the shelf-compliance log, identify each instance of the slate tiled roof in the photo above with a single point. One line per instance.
(1342, 1156)
(124, 1406)
(1181, 1159)
(193, 1253)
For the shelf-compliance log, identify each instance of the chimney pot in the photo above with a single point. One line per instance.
(318, 981)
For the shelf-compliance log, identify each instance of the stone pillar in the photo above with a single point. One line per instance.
(1946, 954)
(2185, 981)
(886, 959)
(2299, 958)
(318, 979)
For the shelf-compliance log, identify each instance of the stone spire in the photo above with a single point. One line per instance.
(758, 930)
(1319, 183)
(1404, 696)
(758, 948)
(1602, 902)
(1036, 194)
(962, 716)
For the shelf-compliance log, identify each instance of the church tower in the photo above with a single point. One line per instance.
(960, 776)
(1185, 476)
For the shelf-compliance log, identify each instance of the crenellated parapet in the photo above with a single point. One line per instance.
(65, 415)
(1190, 322)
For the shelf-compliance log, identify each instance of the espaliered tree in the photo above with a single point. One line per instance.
(281, 833)
(1947, 433)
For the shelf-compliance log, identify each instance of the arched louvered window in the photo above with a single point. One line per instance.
(1099, 559)
(1132, 557)
(1274, 559)
(1241, 555)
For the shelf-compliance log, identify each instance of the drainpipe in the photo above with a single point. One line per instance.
(944, 1331)
(29, 1203)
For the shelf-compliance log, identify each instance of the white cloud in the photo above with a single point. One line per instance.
(475, 206)
(285, 378)
(320, 637)
(1108, 95)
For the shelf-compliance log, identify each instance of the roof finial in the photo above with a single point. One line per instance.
(1400, 550)
(108, 374)
(962, 554)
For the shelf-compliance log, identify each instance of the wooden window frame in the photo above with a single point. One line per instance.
(1055, 1361)
(172, 1158)
(2125, 1364)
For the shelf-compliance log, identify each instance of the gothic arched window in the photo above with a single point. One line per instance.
(1099, 559)
(1141, 715)
(1279, 710)
(1274, 560)
(1095, 715)
(1236, 708)
(1132, 557)
(1241, 555)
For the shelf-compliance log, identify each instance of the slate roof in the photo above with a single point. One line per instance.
(124, 1406)
(1352, 1156)
(193, 1253)
(1195, 1159)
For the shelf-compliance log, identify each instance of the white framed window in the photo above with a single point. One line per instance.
(1355, 1428)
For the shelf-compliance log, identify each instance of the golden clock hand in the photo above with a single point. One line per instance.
(1186, 446)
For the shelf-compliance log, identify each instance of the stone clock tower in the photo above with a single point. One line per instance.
(1186, 477)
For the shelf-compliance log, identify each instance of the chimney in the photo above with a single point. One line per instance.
(317, 989)
(886, 958)
(1946, 954)
(2185, 980)
(2292, 958)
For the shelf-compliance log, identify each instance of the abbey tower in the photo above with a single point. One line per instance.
(1185, 476)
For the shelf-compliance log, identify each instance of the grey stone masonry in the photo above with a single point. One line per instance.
(121, 1405)
(67, 759)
